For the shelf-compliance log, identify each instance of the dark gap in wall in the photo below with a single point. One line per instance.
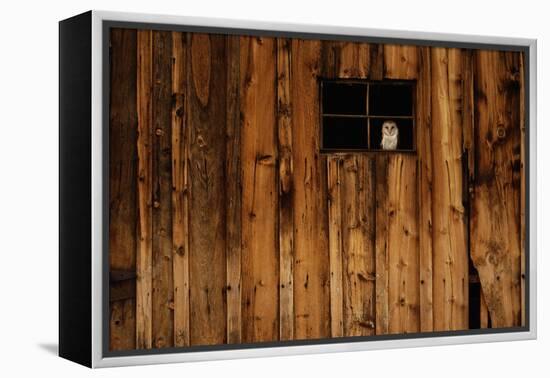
(474, 290)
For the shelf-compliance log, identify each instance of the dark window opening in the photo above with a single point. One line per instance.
(360, 114)
(342, 133)
(388, 99)
(342, 98)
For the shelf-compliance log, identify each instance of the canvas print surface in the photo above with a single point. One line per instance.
(267, 189)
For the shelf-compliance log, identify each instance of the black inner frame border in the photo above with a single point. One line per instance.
(105, 68)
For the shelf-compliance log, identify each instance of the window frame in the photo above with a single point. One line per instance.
(367, 116)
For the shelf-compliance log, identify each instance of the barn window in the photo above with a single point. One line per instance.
(361, 115)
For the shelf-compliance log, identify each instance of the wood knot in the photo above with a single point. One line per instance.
(265, 159)
(159, 132)
(501, 132)
(200, 141)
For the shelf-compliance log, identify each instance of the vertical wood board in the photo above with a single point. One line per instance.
(260, 279)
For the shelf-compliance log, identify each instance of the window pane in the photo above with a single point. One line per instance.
(391, 100)
(344, 133)
(344, 98)
(405, 133)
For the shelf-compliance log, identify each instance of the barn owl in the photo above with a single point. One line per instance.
(390, 135)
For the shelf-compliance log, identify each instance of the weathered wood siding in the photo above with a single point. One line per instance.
(227, 224)
(122, 188)
(496, 233)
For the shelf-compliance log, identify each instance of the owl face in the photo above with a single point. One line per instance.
(389, 128)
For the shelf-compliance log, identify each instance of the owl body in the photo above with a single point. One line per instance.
(390, 135)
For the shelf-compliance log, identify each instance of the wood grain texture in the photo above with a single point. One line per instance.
(381, 246)
(163, 289)
(397, 255)
(358, 245)
(400, 62)
(450, 244)
(286, 219)
(180, 189)
(523, 193)
(207, 205)
(402, 244)
(260, 280)
(376, 61)
(144, 257)
(233, 186)
(425, 187)
(496, 220)
(123, 182)
(311, 271)
(354, 59)
(334, 171)
(483, 312)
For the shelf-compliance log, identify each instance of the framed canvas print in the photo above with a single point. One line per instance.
(233, 189)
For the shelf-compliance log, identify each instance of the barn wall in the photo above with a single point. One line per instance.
(227, 224)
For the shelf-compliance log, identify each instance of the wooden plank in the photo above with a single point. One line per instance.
(483, 312)
(122, 180)
(523, 193)
(354, 60)
(495, 218)
(286, 220)
(382, 246)
(144, 309)
(515, 106)
(425, 179)
(180, 190)
(357, 229)
(163, 290)
(260, 279)
(207, 205)
(400, 62)
(376, 61)
(334, 169)
(450, 250)
(311, 271)
(397, 255)
(233, 187)
(468, 142)
(402, 234)
(345, 60)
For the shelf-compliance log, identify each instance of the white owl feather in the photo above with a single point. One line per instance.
(390, 135)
